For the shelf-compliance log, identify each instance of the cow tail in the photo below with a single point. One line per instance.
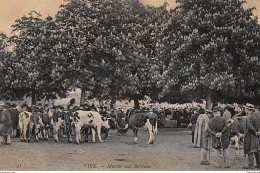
(155, 129)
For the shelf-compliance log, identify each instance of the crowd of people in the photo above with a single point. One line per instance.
(211, 130)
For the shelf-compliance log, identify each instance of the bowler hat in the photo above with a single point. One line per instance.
(201, 111)
(208, 111)
(217, 108)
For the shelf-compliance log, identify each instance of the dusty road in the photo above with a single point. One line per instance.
(172, 150)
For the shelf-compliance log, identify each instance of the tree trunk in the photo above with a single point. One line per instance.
(136, 102)
(82, 96)
(208, 99)
(33, 94)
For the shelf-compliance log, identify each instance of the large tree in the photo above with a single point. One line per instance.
(108, 47)
(212, 48)
(33, 43)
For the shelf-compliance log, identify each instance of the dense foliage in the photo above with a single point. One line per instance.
(113, 49)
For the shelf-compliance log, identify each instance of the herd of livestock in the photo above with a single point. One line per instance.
(45, 121)
(54, 121)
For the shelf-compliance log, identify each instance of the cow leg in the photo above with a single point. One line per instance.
(237, 146)
(24, 134)
(99, 134)
(31, 124)
(55, 132)
(93, 134)
(50, 132)
(80, 136)
(155, 128)
(21, 127)
(69, 136)
(77, 132)
(37, 131)
(21, 134)
(47, 132)
(86, 134)
(149, 126)
(135, 130)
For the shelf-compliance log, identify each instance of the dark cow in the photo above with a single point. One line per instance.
(136, 120)
(36, 123)
(68, 119)
(122, 121)
(62, 120)
(237, 128)
(46, 123)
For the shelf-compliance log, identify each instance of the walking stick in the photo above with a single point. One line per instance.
(209, 144)
(209, 150)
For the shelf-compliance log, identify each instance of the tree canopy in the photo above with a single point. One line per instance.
(213, 48)
(113, 49)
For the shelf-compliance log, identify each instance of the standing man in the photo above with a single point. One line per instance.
(15, 119)
(207, 139)
(193, 121)
(252, 134)
(5, 126)
(200, 129)
(219, 130)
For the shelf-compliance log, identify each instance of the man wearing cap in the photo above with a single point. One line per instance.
(220, 132)
(252, 134)
(200, 129)
(207, 139)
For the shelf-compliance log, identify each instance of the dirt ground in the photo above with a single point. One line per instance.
(171, 151)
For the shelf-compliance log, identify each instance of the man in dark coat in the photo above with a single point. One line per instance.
(220, 132)
(15, 119)
(5, 126)
(207, 139)
(193, 121)
(252, 134)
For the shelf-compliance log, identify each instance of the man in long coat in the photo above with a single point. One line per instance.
(220, 132)
(15, 119)
(207, 139)
(200, 130)
(5, 126)
(193, 121)
(252, 134)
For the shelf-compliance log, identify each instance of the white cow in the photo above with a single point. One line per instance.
(56, 127)
(89, 119)
(28, 119)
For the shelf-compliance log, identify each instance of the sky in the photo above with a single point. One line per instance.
(10, 10)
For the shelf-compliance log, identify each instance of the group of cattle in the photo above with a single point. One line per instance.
(80, 122)
(237, 129)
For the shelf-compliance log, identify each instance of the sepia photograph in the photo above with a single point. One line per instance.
(129, 85)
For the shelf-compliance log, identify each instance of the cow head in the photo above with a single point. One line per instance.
(105, 123)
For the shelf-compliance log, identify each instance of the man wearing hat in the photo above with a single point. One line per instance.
(220, 132)
(200, 129)
(207, 139)
(252, 134)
